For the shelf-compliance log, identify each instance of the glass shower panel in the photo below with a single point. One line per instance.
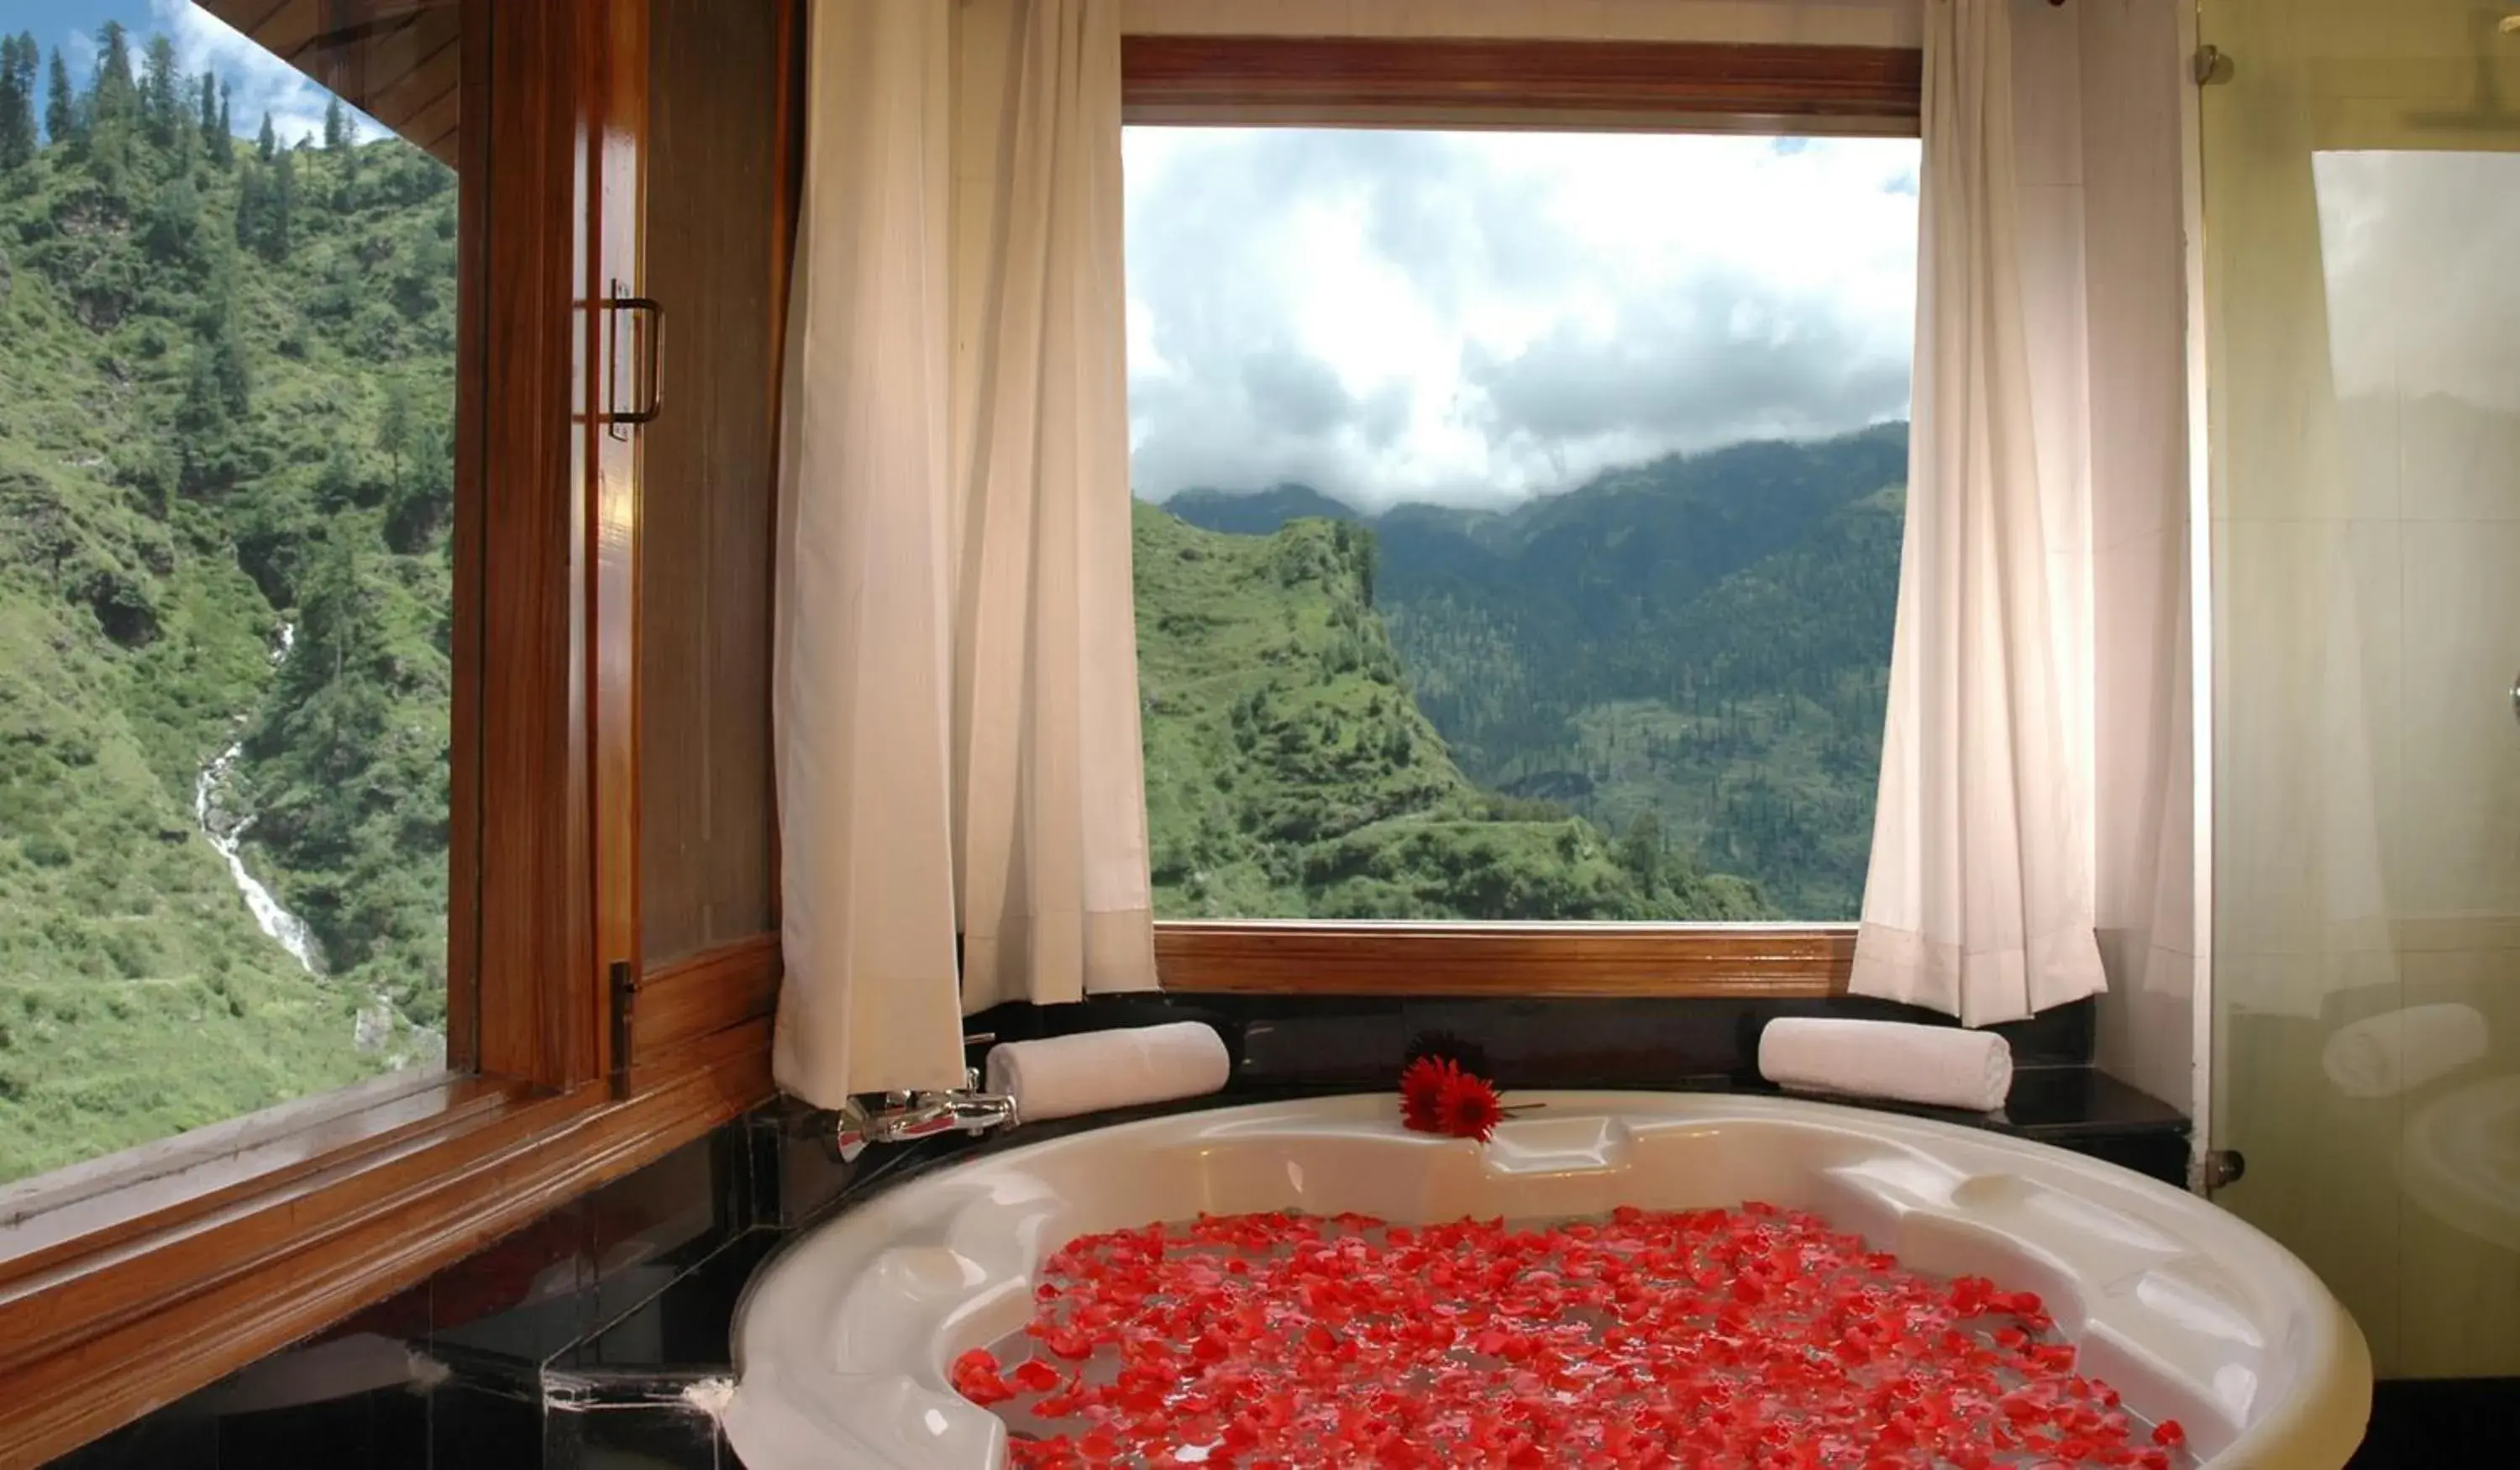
(2361, 201)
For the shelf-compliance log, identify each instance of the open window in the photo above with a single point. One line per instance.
(1518, 430)
(329, 439)
(228, 590)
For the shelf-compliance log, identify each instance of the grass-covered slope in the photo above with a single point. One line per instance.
(225, 383)
(1289, 774)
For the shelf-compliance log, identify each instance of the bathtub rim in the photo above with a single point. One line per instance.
(2329, 1405)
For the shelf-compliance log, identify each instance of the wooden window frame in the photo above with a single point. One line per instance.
(1652, 87)
(134, 1279)
(1317, 81)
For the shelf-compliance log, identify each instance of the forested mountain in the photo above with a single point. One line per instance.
(1288, 774)
(226, 378)
(1704, 639)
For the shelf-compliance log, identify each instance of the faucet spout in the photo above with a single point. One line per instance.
(908, 1117)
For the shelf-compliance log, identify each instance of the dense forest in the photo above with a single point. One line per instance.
(1700, 643)
(226, 379)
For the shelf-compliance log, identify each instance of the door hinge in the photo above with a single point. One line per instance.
(625, 995)
(2211, 66)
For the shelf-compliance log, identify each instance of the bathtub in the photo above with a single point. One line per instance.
(844, 1340)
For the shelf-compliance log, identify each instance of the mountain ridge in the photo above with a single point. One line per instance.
(1702, 638)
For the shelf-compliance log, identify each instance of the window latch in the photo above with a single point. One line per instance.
(625, 995)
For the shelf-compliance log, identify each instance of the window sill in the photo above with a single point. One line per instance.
(119, 1295)
(1400, 959)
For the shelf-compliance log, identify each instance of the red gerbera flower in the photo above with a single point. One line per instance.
(1421, 1094)
(1467, 1108)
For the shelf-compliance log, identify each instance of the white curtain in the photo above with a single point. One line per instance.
(1980, 898)
(957, 720)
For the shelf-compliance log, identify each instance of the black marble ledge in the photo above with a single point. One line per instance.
(1567, 1042)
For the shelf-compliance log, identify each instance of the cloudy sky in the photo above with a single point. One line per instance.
(1477, 318)
(261, 82)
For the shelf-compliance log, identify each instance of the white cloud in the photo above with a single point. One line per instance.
(1475, 318)
(259, 82)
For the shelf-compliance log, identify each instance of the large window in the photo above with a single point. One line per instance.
(1519, 517)
(226, 487)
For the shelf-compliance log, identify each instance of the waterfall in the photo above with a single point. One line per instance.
(226, 837)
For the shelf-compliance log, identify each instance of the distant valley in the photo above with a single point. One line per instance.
(1703, 641)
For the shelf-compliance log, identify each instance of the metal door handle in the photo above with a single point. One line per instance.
(652, 358)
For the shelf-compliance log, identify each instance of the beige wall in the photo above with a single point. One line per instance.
(2128, 87)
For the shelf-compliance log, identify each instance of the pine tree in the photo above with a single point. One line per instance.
(228, 370)
(114, 115)
(349, 199)
(60, 104)
(394, 424)
(251, 193)
(113, 96)
(223, 139)
(16, 103)
(174, 218)
(209, 95)
(280, 202)
(161, 113)
(336, 126)
(266, 144)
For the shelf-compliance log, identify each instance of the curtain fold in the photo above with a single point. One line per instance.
(957, 709)
(1980, 897)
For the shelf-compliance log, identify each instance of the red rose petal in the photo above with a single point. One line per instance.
(1750, 1338)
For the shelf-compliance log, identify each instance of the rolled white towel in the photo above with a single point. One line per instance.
(1946, 1066)
(1094, 1070)
(2399, 1051)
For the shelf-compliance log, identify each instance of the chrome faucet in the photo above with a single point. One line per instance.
(908, 1117)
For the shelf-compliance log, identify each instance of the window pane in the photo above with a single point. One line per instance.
(227, 301)
(1519, 517)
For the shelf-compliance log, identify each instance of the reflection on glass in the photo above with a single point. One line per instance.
(2363, 218)
(226, 397)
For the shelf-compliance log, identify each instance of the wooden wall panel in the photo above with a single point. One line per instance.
(708, 488)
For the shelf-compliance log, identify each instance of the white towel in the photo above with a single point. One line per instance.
(1093, 1070)
(1946, 1066)
(2399, 1051)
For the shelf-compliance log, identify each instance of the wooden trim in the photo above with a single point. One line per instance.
(91, 1344)
(1773, 960)
(617, 36)
(703, 994)
(1295, 80)
(469, 527)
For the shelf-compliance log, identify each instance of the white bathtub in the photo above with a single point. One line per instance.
(845, 1338)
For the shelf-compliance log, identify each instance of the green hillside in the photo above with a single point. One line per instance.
(1289, 775)
(225, 386)
(1702, 639)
